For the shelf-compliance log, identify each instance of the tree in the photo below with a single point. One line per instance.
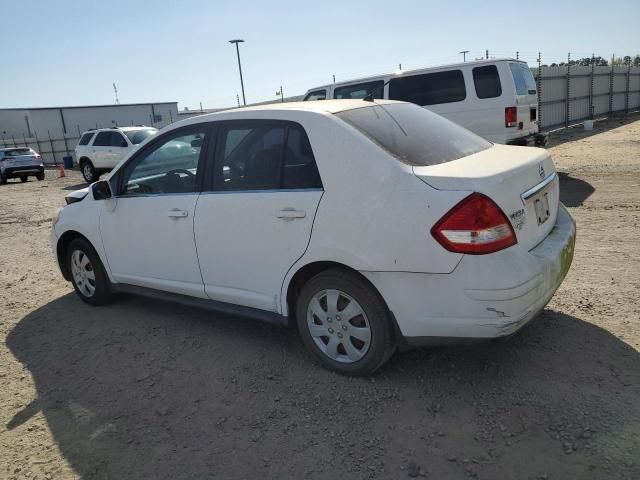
(636, 60)
(597, 61)
(626, 60)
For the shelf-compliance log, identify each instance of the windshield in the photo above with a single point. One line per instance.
(138, 136)
(523, 78)
(413, 134)
(16, 152)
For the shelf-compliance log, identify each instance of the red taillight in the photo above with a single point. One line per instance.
(510, 116)
(476, 226)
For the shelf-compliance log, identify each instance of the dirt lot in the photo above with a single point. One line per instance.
(144, 389)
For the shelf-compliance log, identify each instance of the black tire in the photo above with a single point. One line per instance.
(88, 171)
(103, 291)
(3, 180)
(382, 342)
(24, 179)
(40, 176)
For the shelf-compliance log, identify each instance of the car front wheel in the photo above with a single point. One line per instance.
(88, 275)
(345, 323)
(88, 172)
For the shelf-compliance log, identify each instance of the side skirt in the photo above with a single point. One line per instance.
(212, 305)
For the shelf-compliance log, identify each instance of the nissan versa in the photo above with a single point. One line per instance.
(372, 225)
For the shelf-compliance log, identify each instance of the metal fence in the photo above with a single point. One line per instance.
(568, 95)
(52, 150)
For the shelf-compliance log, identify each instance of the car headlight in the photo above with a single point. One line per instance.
(56, 216)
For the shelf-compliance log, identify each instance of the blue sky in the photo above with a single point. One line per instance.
(69, 52)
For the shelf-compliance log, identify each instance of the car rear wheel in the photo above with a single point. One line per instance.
(3, 180)
(345, 323)
(23, 179)
(40, 176)
(88, 275)
(88, 171)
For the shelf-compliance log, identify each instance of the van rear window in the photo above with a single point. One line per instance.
(414, 135)
(487, 81)
(429, 88)
(523, 79)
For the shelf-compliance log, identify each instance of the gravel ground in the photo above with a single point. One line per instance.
(143, 389)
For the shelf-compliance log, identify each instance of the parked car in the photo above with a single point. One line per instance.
(496, 98)
(20, 162)
(372, 225)
(98, 151)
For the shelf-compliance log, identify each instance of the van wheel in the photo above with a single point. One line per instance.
(88, 172)
(345, 323)
(23, 179)
(3, 180)
(88, 275)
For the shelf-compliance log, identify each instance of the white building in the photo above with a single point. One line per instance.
(54, 131)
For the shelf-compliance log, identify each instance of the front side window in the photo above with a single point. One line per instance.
(117, 140)
(523, 79)
(86, 138)
(487, 82)
(264, 155)
(429, 88)
(414, 135)
(360, 90)
(316, 95)
(168, 166)
(103, 139)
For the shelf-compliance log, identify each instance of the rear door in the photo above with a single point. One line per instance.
(100, 149)
(255, 222)
(119, 148)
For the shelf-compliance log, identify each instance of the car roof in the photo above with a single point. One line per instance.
(123, 129)
(320, 106)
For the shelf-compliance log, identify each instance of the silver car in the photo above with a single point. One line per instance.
(20, 162)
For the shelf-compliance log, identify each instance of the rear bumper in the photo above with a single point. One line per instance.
(536, 139)
(486, 296)
(22, 170)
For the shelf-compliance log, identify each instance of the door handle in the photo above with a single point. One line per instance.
(290, 213)
(177, 213)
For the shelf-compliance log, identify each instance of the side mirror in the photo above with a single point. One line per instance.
(101, 190)
(197, 143)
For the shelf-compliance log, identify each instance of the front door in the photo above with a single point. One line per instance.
(256, 222)
(147, 228)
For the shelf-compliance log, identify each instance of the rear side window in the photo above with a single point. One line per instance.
(360, 90)
(487, 82)
(429, 88)
(264, 155)
(117, 140)
(86, 138)
(316, 95)
(414, 135)
(103, 139)
(523, 79)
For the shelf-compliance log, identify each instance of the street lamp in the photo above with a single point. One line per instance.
(464, 55)
(237, 41)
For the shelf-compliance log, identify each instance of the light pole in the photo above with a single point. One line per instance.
(237, 41)
(464, 55)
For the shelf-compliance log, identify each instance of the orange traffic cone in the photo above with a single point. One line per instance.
(61, 172)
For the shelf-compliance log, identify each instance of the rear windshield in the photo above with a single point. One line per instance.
(16, 152)
(138, 136)
(523, 78)
(413, 134)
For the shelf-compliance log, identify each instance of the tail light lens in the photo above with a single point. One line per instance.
(475, 226)
(510, 116)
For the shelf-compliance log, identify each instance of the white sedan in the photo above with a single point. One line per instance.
(371, 225)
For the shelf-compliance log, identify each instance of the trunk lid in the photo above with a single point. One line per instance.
(521, 180)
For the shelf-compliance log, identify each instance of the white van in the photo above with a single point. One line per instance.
(495, 98)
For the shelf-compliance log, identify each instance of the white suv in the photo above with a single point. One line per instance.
(373, 225)
(100, 150)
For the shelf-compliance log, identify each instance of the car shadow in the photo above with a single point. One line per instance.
(142, 389)
(577, 132)
(574, 191)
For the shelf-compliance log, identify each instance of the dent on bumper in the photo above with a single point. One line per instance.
(468, 303)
